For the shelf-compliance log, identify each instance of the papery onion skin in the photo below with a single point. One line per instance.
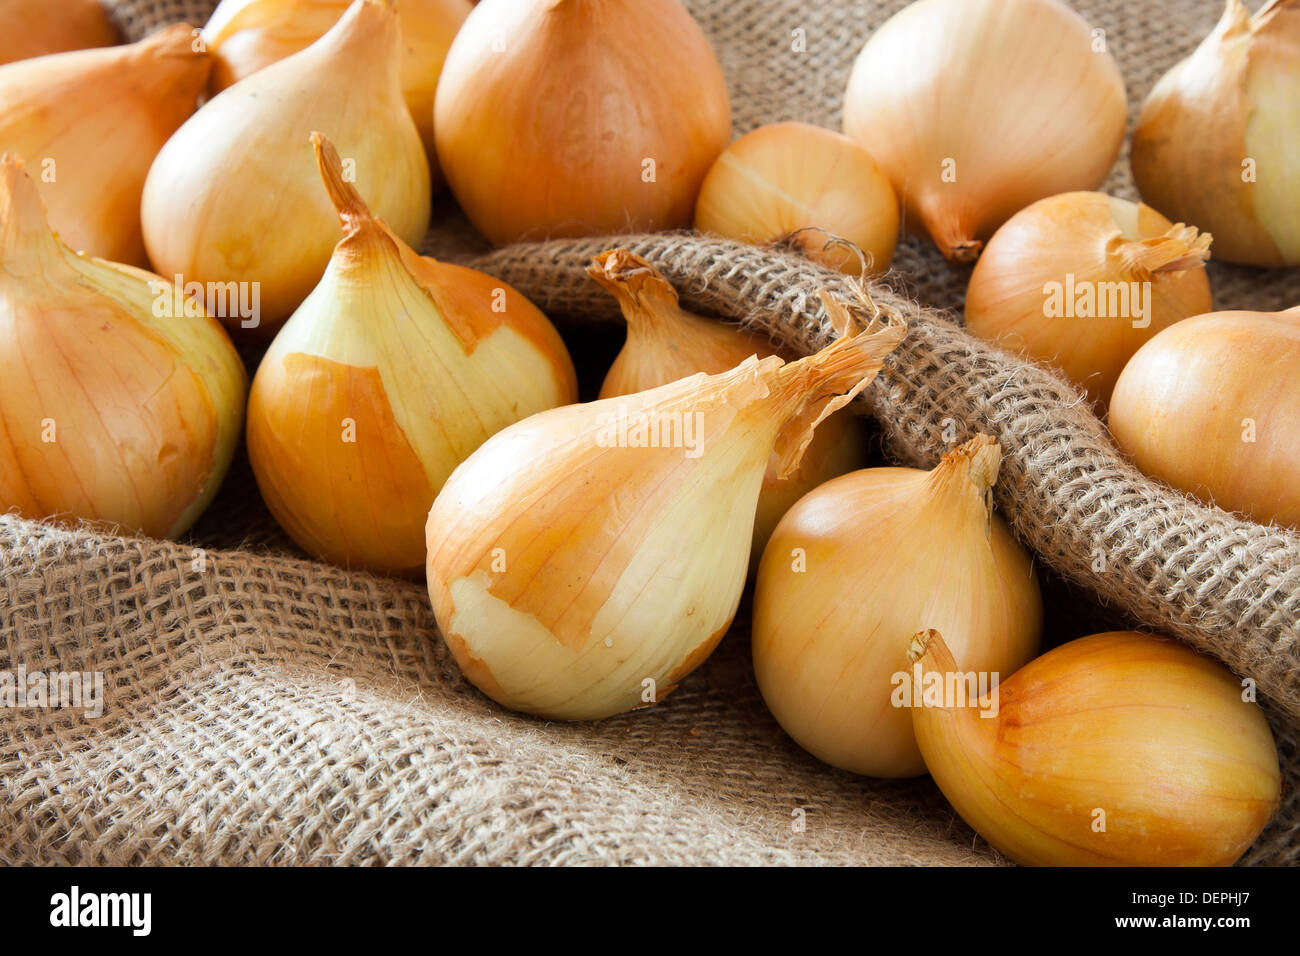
(1113, 250)
(1211, 406)
(90, 123)
(31, 28)
(847, 575)
(391, 373)
(1005, 102)
(112, 413)
(1118, 749)
(205, 209)
(1217, 143)
(244, 36)
(575, 575)
(666, 343)
(786, 177)
(617, 141)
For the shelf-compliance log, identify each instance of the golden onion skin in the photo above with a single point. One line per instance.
(31, 28)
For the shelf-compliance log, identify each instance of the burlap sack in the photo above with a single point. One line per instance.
(265, 708)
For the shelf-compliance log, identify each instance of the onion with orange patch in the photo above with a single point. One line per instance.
(583, 561)
(390, 374)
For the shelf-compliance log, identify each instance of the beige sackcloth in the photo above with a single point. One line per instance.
(266, 708)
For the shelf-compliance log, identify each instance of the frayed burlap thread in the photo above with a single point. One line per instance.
(264, 708)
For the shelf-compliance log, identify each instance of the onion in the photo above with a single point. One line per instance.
(91, 122)
(1211, 406)
(577, 117)
(38, 27)
(977, 108)
(1115, 749)
(854, 570)
(586, 559)
(235, 197)
(245, 35)
(391, 373)
(1218, 140)
(121, 398)
(1083, 280)
(787, 177)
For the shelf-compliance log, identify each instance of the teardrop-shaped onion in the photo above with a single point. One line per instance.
(391, 373)
(1212, 406)
(90, 123)
(584, 560)
(808, 183)
(1117, 749)
(977, 108)
(121, 401)
(39, 27)
(578, 117)
(245, 35)
(666, 343)
(1082, 280)
(1218, 140)
(235, 195)
(850, 575)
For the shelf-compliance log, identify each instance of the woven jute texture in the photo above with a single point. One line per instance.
(266, 708)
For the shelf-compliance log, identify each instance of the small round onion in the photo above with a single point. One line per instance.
(1082, 280)
(787, 177)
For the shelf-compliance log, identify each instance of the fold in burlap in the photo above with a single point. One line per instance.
(266, 708)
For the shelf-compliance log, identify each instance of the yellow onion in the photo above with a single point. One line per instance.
(38, 27)
(245, 35)
(387, 377)
(121, 400)
(578, 117)
(1082, 280)
(786, 177)
(1118, 749)
(1218, 140)
(90, 123)
(854, 570)
(586, 559)
(666, 343)
(1211, 406)
(1000, 103)
(235, 196)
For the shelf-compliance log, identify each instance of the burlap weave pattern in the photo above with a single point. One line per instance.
(265, 708)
